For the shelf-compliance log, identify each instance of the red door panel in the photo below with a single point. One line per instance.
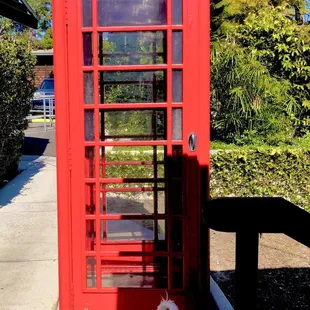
(130, 92)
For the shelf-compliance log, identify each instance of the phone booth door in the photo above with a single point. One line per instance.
(132, 93)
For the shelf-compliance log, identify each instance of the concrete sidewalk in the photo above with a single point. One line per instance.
(28, 238)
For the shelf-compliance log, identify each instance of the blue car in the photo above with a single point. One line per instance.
(46, 90)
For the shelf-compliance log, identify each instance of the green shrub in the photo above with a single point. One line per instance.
(16, 90)
(262, 171)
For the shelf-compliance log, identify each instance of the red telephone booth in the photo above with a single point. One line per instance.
(132, 109)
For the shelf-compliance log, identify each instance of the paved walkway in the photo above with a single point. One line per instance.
(28, 238)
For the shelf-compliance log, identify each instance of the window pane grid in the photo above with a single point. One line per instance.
(102, 271)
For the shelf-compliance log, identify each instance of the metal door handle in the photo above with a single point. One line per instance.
(192, 142)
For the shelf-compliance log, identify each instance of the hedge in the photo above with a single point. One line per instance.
(264, 171)
(240, 171)
(16, 90)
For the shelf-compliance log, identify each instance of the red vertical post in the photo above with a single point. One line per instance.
(63, 154)
(204, 134)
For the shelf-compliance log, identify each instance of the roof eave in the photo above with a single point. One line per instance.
(20, 12)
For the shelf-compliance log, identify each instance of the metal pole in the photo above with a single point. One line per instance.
(50, 102)
(44, 113)
(247, 243)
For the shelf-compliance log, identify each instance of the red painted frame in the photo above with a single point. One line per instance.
(71, 144)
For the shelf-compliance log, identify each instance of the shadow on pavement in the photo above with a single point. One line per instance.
(29, 167)
(34, 146)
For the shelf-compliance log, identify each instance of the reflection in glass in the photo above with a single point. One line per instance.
(176, 163)
(132, 48)
(89, 125)
(161, 229)
(175, 195)
(129, 202)
(134, 153)
(89, 162)
(91, 272)
(87, 49)
(134, 271)
(132, 86)
(122, 230)
(177, 85)
(87, 13)
(131, 12)
(177, 47)
(177, 235)
(177, 272)
(176, 124)
(161, 202)
(130, 171)
(88, 87)
(177, 11)
(90, 198)
(90, 235)
(133, 125)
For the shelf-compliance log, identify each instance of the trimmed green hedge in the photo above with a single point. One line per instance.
(263, 171)
(16, 90)
(240, 171)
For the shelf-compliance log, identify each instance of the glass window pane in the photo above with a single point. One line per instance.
(90, 235)
(112, 187)
(87, 49)
(177, 85)
(129, 171)
(177, 272)
(136, 202)
(129, 203)
(134, 271)
(161, 202)
(87, 13)
(88, 87)
(132, 48)
(132, 86)
(177, 47)
(176, 162)
(177, 11)
(90, 198)
(133, 125)
(89, 125)
(131, 12)
(177, 235)
(176, 124)
(121, 230)
(133, 153)
(89, 162)
(91, 272)
(175, 197)
(161, 229)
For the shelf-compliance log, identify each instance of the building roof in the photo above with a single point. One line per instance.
(49, 52)
(19, 11)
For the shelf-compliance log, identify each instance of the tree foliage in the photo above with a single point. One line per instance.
(42, 38)
(43, 10)
(260, 70)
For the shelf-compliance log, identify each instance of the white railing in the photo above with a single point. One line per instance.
(47, 113)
